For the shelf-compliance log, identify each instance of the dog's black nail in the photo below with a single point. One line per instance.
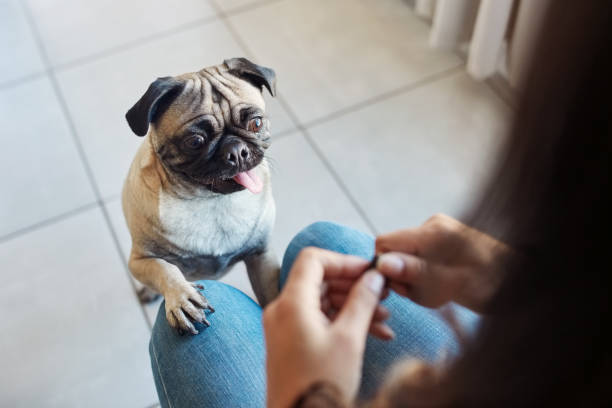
(206, 322)
(211, 309)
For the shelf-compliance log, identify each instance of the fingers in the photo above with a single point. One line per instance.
(342, 285)
(402, 268)
(337, 301)
(356, 315)
(405, 240)
(382, 331)
(312, 265)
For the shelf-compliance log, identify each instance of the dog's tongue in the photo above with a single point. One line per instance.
(250, 180)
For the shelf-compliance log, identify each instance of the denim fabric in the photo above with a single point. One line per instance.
(224, 365)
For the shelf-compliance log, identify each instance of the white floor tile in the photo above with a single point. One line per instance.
(72, 29)
(73, 333)
(125, 242)
(20, 57)
(115, 213)
(423, 152)
(305, 192)
(330, 55)
(41, 173)
(232, 5)
(99, 94)
(280, 122)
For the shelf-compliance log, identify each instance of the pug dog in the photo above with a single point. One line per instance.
(197, 198)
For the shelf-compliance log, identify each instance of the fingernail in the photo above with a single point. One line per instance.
(390, 263)
(375, 282)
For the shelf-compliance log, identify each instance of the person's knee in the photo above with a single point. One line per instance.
(185, 366)
(225, 298)
(330, 236)
(318, 234)
(233, 309)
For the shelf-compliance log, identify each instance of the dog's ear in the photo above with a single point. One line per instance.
(253, 73)
(153, 103)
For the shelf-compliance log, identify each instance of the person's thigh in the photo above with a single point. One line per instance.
(223, 365)
(420, 332)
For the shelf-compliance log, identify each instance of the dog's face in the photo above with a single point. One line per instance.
(209, 128)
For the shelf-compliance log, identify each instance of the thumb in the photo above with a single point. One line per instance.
(400, 267)
(356, 314)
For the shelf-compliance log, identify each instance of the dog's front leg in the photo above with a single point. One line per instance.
(183, 300)
(264, 274)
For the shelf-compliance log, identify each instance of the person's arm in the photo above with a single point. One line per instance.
(314, 357)
(443, 260)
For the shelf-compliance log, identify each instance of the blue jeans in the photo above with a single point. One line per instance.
(224, 365)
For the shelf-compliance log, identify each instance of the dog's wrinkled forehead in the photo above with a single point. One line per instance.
(221, 92)
(213, 92)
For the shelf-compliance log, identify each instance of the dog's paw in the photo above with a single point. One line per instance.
(185, 305)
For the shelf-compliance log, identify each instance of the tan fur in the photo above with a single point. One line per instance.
(167, 215)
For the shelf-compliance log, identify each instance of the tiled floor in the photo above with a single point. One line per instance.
(373, 129)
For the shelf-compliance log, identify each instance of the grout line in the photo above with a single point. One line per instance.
(135, 43)
(508, 98)
(155, 36)
(21, 80)
(384, 96)
(125, 264)
(223, 17)
(109, 199)
(303, 128)
(334, 173)
(47, 222)
(81, 151)
(248, 7)
(340, 183)
(492, 83)
(285, 133)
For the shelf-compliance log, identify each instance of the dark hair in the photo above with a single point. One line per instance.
(545, 340)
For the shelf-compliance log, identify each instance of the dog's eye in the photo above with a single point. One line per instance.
(194, 142)
(255, 124)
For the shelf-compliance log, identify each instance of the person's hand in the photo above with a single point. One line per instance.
(306, 344)
(442, 260)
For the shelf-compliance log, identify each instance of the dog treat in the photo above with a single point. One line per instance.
(372, 265)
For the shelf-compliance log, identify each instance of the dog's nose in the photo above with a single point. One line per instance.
(235, 153)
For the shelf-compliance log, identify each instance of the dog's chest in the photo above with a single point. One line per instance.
(215, 225)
